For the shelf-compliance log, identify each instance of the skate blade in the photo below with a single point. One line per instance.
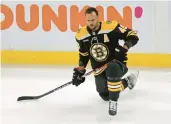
(112, 117)
(136, 73)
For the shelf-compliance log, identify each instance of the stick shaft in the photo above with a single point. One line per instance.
(58, 88)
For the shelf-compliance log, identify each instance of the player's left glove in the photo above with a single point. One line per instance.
(77, 78)
(121, 54)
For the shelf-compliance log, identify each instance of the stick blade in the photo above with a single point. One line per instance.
(26, 98)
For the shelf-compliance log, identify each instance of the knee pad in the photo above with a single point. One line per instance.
(115, 71)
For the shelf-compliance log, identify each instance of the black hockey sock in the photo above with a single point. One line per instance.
(114, 89)
(124, 84)
(114, 96)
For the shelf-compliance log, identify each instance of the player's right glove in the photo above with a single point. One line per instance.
(121, 54)
(77, 78)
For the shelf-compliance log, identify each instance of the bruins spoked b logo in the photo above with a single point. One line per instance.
(99, 52)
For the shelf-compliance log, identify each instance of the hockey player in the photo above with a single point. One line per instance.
(99, 43)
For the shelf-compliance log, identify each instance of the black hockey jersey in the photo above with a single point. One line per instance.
(99, 46)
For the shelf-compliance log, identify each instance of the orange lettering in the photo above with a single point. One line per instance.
(7, 22)
(34, 17)
(113, 14)
(49, 15)
(101, 12)
(77, 18)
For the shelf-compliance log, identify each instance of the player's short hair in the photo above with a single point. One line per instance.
(90, 10)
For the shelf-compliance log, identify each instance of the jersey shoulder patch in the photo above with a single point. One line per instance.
(108, 26)
(82, 33)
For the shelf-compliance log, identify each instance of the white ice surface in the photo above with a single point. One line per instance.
(148, 103)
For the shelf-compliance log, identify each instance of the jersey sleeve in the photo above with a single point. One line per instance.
(83, 54)
(129, 36)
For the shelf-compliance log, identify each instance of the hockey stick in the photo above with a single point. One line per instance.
(58, 88)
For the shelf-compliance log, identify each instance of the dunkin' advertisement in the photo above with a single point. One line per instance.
(169, 20)
(49, 26)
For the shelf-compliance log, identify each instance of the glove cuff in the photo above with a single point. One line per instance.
(80, 69)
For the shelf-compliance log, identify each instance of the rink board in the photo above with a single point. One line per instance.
(40, 41)
(71, 58)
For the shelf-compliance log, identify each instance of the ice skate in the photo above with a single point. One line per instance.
(112, 108)
(132, 79)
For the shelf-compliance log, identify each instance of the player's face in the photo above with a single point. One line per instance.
(92, 20)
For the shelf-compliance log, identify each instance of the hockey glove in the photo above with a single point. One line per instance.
(121, 54)
(77, 79)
